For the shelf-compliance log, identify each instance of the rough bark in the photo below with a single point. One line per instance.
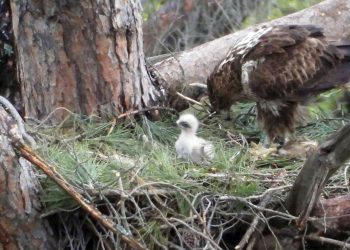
(317, 170)
(20, 223)
(86, 56)
(333, 214)
(195, 65)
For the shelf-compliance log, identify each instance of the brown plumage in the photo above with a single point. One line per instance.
(278, 67)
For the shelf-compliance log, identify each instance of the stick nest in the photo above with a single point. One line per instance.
(128, 169)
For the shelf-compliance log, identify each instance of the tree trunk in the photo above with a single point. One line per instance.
(20, 223)
(86, 56)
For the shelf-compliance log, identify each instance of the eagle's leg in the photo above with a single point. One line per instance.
(225, 114)
(267, 142)
(277, 119)
(289, 136)
(281, 139)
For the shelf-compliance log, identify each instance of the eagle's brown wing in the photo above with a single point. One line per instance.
(290, 62)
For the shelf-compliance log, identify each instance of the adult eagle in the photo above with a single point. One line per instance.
(278, 67)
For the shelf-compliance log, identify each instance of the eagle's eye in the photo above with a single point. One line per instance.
(184, 124)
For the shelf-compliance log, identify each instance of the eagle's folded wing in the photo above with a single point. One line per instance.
(289, 63)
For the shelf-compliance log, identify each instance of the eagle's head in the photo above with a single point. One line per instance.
(217, 102)
(224, 87)
(188, 123)
(221, 104)
(226, 84)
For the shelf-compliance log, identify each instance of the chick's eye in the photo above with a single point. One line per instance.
(185, 124)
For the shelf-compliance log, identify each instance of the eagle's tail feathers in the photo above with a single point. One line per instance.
(345, 50)
(335, 78)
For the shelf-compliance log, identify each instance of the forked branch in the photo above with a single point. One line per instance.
(322, 164)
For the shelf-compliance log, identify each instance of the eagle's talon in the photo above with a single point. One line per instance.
(267, 142)
(259, 151)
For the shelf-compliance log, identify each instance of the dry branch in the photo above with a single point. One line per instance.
(328, 241)
(51, 172)
(256, 225)
(322, 164)
(195, 65)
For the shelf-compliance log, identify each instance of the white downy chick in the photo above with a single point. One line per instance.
(191, 147)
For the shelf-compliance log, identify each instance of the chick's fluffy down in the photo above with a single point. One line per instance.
(195, 149)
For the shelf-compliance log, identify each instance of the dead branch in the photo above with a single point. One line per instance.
(134, 112)
(189, 99)
(322, 164)
(244, 201)
(115, 193)
(51, 172)
(256, 223)
(195, 65)
(20, 123)
(329, 241)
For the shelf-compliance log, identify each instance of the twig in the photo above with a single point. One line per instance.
(160, 245)
(259, 208)
(187, 219)
(114, 122)
(214, 244)
(51, 114)
(253, 226)
(134, 112)
(12, 110)
(121, 203)
(267, 191)
(198, 85)
(189, 99)
(98, 235)
(163, 217)
(50, 171)
(328, 241)
(150, 189)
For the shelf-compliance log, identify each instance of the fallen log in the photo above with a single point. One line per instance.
(333, 214)
(179, 24)
(176, 72)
